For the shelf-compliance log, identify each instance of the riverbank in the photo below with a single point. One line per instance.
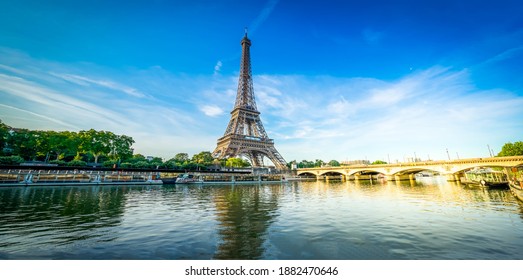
(39, 177)
(46, 176)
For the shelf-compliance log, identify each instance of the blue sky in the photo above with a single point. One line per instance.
(340, 80)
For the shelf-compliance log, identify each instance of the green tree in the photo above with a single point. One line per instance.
(305, 164)
(11, 160)
(203, 158)
(130, 162)
(94, 145)
(379, 162)
(156, 161)
(237, 162)
(334, 163)
(41, 142)
(171, 164)
(246, 163)
(138, 161)
(511, 149)
(4, 133)
(121, 147)
(137, 157)
(75, 145)
(61, 143)
(23, 142)
(97, 142)
(190, 166)
(181, 158)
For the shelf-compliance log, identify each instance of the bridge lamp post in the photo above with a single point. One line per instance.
(448, 153)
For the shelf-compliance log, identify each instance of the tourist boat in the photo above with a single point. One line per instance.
(188, 179)
(516, 187)
(169, 181)
(52, 177)
(515, 176)
(220, 178)
(291, 178)
(486, 178)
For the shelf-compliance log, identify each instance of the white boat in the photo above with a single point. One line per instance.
(188, 179)
(291, 178)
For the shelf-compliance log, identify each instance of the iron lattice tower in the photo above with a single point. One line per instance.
(245, 135)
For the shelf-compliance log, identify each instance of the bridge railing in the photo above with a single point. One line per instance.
(425, 163)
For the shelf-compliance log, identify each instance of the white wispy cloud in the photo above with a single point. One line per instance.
(211, 110)
(85, 81)
(263, 15)
(341, 108)
(35, 117)
(218, 67)
(507, 54)
(44, 101)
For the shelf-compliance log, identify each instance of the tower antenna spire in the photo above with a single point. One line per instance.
(246, 31)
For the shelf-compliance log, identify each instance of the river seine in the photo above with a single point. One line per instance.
(426, 219)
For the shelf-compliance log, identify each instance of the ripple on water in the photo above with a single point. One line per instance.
(304, 220)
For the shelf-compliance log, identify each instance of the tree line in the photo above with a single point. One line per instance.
(511, 149)
(319, 163)
(64, 146)
(95, 148)
(316, 163)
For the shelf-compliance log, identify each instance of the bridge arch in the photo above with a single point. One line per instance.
(415, 170)
(332, 173)
(307, 174)
(369, 170)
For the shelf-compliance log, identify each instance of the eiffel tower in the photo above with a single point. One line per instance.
(245, 135)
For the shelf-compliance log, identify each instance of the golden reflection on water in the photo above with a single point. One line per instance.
(246, 213)
(433, 189)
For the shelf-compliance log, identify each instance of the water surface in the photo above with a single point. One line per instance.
(426, 219)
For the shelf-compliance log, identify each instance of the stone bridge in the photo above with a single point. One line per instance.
(452, 169)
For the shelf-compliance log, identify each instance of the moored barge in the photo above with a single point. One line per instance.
(486, 178)
(515, 175)
(28, 177)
